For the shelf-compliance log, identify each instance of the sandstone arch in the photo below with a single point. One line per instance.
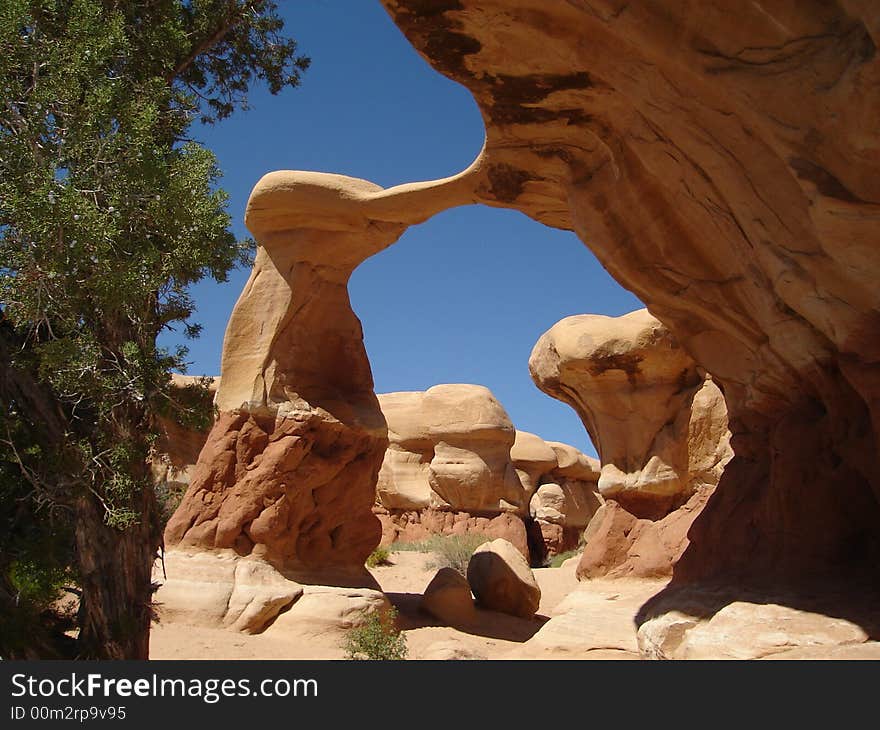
(721, 162)
(288, 472)
(678, 142)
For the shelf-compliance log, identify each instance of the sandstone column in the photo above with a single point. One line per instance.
(288, 473)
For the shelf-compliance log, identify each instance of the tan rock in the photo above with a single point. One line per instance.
(743, 630)
(289, 469)
(571, 504)
(645, 405)
(448, 598)
(326, 610)
(533, 458)
(573, 464)
(221, 589)
(596, 621)
(450, 649)
(450, 449)
(454, 464)
(501, 580)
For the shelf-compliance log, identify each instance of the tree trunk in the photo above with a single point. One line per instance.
(115, 567)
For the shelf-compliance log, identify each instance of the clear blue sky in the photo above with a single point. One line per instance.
(459, 299)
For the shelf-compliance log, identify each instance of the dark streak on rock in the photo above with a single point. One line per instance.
(628, 363)
(439, 37)
(558, 152)
(513, 95)
(507, 182)
(824, 181)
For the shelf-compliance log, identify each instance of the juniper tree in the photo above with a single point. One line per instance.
(108, 213)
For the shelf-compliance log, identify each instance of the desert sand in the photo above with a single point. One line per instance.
(501, 637)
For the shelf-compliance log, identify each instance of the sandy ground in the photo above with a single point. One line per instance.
(609, 609)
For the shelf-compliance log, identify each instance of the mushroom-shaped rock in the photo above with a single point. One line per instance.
(447, 469)
(659, 425)
(448, 598)
(501, 580)
(449, 449)
(532, 458)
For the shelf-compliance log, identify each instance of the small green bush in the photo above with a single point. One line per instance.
(379, 556)
(557, 560)
(378, 638)
(451, 551)
(454, 551)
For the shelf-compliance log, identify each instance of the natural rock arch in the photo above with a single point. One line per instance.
(721, 162)
(679, 144)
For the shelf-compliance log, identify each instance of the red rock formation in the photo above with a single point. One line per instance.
(618, 544)
(418, 525)
(723, 163)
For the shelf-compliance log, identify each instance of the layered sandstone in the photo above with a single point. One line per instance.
(659, 425)
(449, 449)
(723, 163)
(288, 472)
(456, 465)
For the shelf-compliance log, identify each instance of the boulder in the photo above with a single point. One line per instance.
(448, 598)
(501, 580)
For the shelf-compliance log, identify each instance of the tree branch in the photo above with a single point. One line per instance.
(208, 43)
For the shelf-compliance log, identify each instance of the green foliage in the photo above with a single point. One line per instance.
(450, 551)
(377, 638)
(557, 560)
(379, 556)
(109, 213)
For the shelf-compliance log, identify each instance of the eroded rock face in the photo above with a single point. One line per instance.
(617, 544)
(419, 525)
(723, 164)
(450, 450)
(660, 427)
(456, 465)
